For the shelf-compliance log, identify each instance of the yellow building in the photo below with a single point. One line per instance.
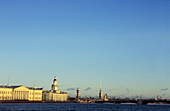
(5, 93)
(35, 94)
(20, 93)
(54, 94)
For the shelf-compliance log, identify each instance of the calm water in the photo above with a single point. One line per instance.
(82, 107)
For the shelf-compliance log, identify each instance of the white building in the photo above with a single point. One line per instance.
(20, 93)
(54, 94)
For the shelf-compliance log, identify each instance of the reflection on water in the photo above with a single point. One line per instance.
(82, 107)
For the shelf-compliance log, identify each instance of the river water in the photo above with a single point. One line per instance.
(82, 107)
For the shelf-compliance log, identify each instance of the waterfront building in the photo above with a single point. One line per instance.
(100, 92)
(20, 93)
(54, 94)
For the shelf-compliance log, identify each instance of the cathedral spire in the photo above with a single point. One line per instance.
(100, 93)
(100, 85)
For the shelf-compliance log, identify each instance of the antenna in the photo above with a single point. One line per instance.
(8, 82)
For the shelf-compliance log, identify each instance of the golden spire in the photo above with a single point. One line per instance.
(100, 93)
(100, 85)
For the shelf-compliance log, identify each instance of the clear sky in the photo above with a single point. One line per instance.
(123, 43)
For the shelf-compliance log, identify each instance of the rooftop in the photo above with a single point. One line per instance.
(13, 87)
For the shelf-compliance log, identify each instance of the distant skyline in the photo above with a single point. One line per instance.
(123, 43)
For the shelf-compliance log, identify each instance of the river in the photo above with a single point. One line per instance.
(81, 107)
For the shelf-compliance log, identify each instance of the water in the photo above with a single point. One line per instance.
(82, 107)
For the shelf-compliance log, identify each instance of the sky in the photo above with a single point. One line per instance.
(123, 43)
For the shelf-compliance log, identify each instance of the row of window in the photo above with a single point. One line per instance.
(38, 93)
(9, 92)
(38, 98)
(18, 97)
(35, 98)
(5, 92)
(16, 92)
(1, 97)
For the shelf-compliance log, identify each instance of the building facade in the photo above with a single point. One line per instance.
(54, 94)
(20, 93)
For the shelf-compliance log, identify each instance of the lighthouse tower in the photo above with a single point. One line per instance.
(54, 85)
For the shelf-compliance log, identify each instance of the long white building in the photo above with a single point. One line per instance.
(20, 93)
(54, 94)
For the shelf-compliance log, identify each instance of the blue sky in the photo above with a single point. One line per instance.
(125, 44)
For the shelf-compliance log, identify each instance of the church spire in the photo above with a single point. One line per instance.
(100, 93)
(100, 85)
